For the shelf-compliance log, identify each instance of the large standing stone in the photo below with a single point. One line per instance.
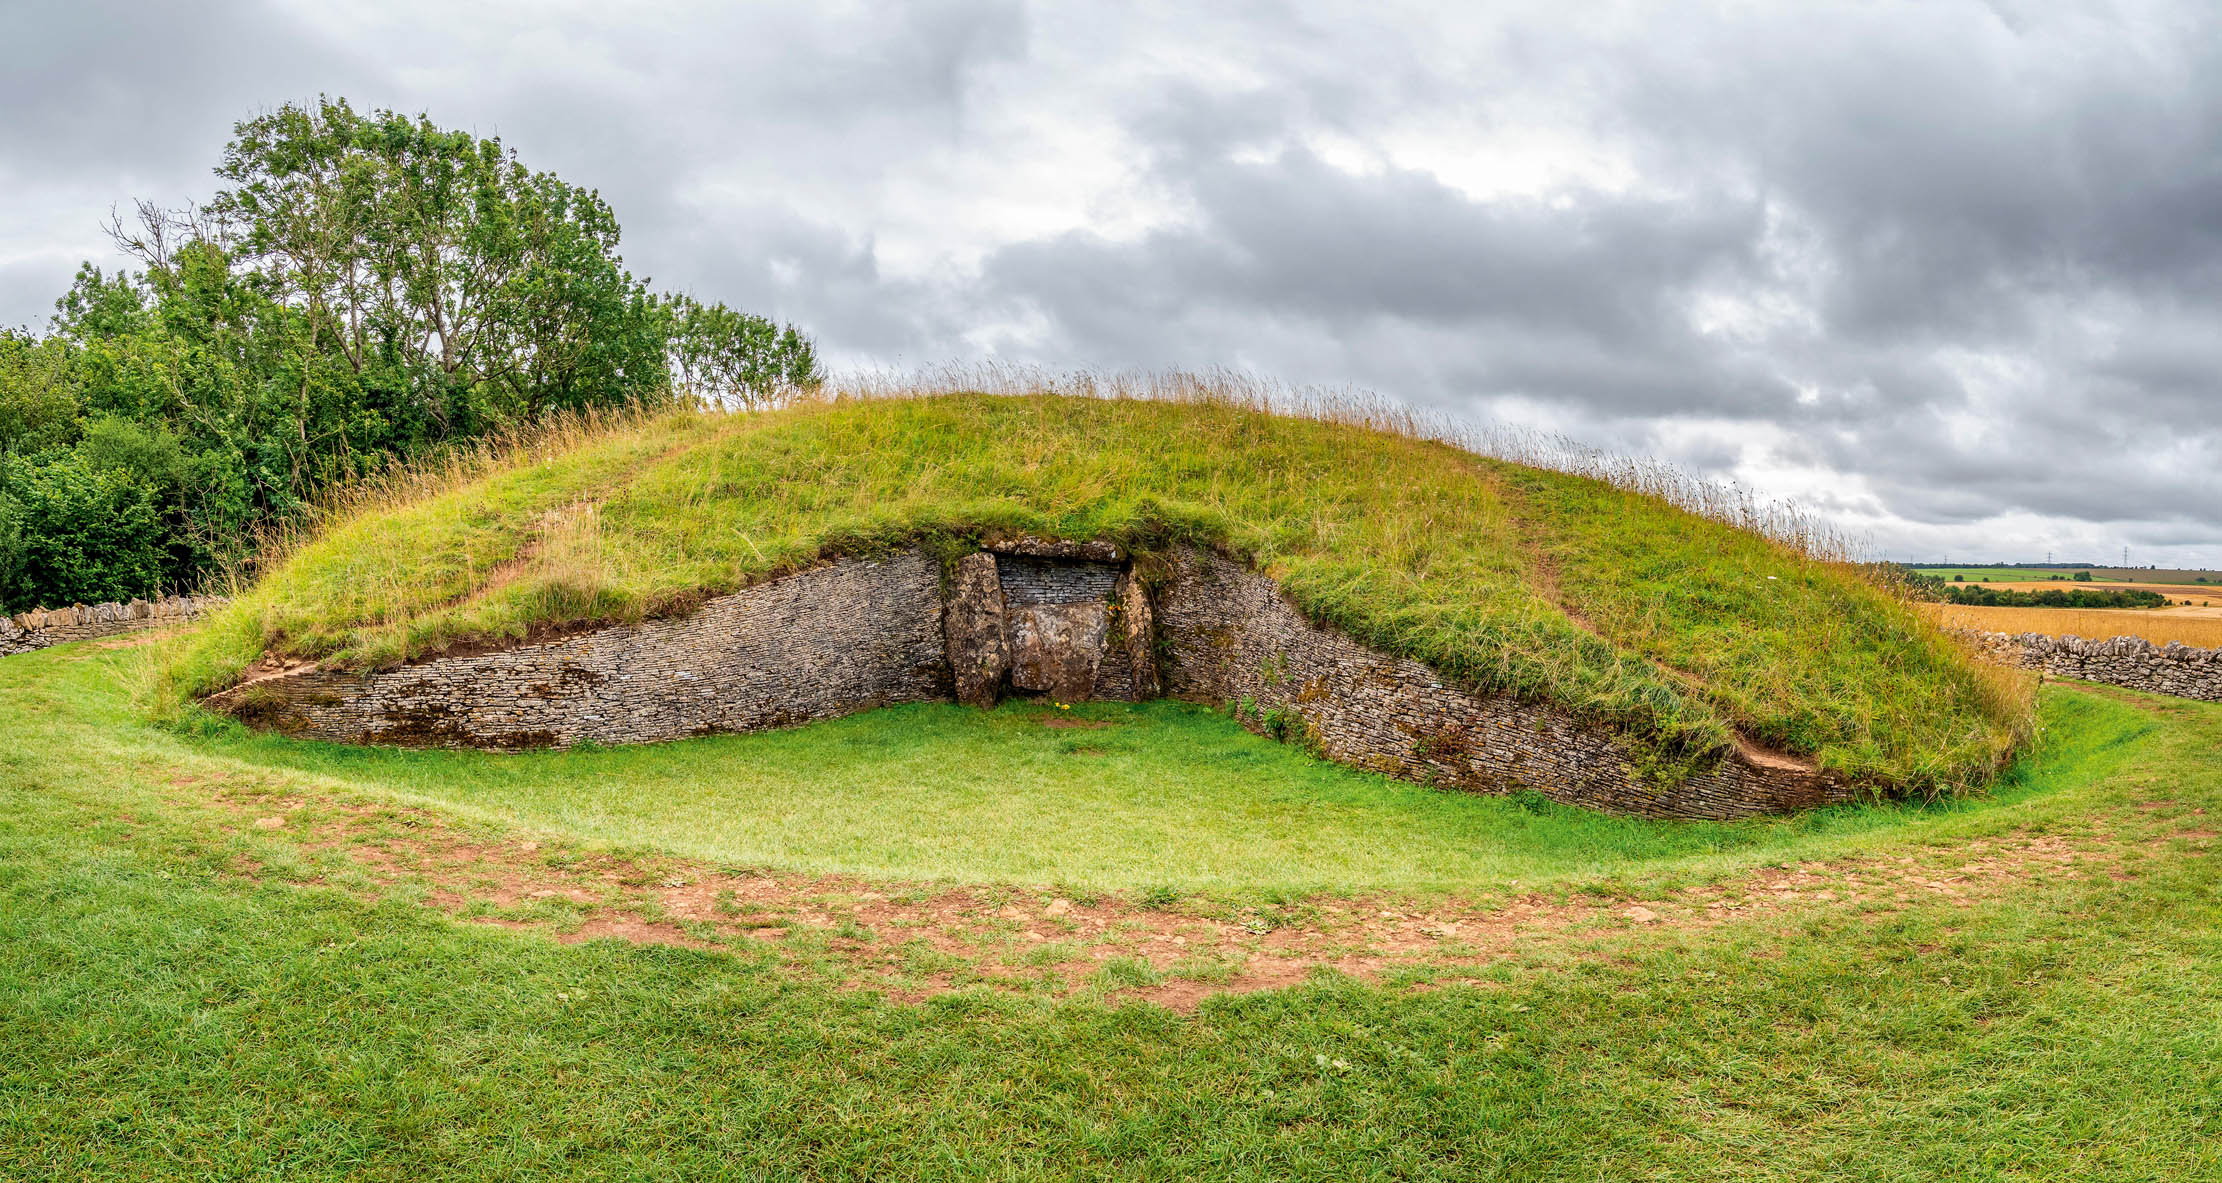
(1055, 648)
(974, 625)
(1138, 632)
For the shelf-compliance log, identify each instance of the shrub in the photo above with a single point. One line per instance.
(71, 534)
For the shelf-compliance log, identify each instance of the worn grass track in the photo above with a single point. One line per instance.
(182, 1001)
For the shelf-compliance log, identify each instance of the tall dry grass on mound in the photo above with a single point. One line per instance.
(436, 471)
(526, 442)
(1730, 503)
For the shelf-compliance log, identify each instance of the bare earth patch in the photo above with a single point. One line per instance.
(912, 941)
(1067, 721)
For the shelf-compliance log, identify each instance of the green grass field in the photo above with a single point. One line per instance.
(1670, 628)
(2007, 574)
(1166, 794)
(2018, 986)
(2188, 578)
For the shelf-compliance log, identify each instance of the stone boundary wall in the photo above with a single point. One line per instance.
(831, 640)
(854, 634)
(59, 626)
(2174, 668)
(1227, 634)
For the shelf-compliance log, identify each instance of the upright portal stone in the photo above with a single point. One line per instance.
(973, 625)
(1134, 646)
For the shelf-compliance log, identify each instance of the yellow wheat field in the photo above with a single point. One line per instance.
(2192, 626)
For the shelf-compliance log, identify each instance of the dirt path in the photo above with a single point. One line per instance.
(912, 941)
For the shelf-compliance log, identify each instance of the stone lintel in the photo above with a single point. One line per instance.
(1034, 547)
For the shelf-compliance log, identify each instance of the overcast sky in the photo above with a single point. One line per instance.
(1950, 273)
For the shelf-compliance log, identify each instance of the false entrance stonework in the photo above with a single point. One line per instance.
(1065, 620)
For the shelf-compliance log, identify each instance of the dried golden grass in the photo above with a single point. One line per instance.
(2190, 594)
(1728, 502)
(2192, 626)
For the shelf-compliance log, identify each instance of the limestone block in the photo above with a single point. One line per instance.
(1030, 546)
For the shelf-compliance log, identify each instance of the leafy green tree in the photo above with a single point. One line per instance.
(70, 532)
(39, 400)
(495, 291)
(724, 358)
(364, 288)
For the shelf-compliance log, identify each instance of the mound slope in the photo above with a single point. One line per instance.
(1686, 638)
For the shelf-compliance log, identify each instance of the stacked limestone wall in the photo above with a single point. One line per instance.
(2174, 668)
(832, 640)
(58, 626)
(1228, 635)
(856, 634)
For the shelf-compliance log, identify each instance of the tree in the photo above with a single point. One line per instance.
(364, 288)
(39, 401)
(72, 533)
(723, 358)
(498, 292)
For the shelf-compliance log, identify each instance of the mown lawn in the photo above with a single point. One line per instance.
(166, 1011)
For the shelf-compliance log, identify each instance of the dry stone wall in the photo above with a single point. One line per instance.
(836, 639)
(1227, 635)
(1070, 620)
(2175, 668)
(58, 626)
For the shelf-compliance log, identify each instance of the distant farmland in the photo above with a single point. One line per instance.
(2200, 626)
(2182, 592)
(2174, 578)
(2194, 614)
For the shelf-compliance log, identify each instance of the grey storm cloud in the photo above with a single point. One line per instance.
(1950, 271)
(1583, 299)
(104, 88)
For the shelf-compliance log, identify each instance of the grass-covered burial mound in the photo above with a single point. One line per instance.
(1680, 635)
